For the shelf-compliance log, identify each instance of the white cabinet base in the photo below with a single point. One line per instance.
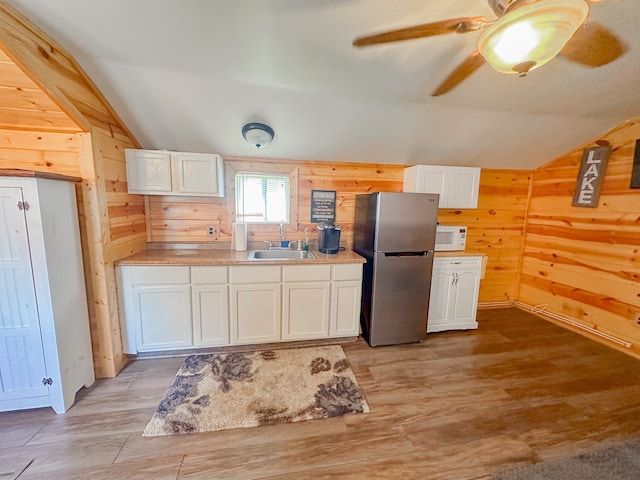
(184, 307)
(453, 301)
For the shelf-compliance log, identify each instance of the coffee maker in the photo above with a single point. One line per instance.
(328, 238)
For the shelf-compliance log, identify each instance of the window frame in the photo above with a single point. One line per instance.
(233, 167)
(262, 176)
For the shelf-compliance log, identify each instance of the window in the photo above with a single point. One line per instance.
(262, 198)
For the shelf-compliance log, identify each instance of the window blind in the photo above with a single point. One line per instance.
(262, 198)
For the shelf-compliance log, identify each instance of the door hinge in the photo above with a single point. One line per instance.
(47, 381)
(23, 205)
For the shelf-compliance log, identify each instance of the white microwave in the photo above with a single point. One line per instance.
(450, 237)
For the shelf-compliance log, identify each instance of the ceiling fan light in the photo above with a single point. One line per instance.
(531, 35)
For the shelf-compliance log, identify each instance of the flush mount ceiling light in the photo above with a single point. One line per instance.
(258, 135)
(531, 34)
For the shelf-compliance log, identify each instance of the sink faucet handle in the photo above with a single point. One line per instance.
(268, 244)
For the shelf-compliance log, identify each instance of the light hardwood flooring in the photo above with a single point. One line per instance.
(461, 405)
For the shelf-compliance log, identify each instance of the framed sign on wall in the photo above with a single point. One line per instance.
(323, 206)
(590, 176)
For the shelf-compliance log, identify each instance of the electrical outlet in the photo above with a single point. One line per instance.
(212, 230)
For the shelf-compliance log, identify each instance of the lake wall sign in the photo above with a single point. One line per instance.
(591, 175)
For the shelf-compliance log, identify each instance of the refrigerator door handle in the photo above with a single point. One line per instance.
(407, 254)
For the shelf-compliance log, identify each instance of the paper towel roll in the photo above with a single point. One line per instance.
(239, 237)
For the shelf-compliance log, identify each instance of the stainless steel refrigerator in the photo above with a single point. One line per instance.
(396, 233)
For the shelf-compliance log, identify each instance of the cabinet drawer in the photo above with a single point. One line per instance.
(350, 271)
(205, 275)
(258, 274)
(159, 275)
(306, 273)
(458, 262)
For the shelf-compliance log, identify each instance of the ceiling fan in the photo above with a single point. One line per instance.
(525, 35)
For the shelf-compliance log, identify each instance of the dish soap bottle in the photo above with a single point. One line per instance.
(305, 242)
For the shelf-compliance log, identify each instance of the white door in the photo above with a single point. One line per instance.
(196, 173)
(466, 302)
(440, 298)
(210, 306)
(306, 310)
(255, 313)
(463, 187)
(148, 171)
(434, 180)
(22, 363)
(164, 313)
(345, 308)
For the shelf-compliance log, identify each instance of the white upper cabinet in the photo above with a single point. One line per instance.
(160, 172)
(457, 186)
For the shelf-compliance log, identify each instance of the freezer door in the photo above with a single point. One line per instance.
(400, 298)
(406, 222)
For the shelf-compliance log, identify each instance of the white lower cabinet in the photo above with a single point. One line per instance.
(177, 307)
(305, 299)
(255, 304)
(346, 292)
(210, 306)
(160, 313)
(453, 301)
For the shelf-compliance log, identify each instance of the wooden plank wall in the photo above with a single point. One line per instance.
(124, 215)
(115, 228)
(25, 106)
(185, 219)
(495, 228)
(40, 151)
(583, 263)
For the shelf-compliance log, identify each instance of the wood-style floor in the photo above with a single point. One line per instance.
(461, 405)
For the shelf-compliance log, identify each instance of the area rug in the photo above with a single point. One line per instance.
(621, 462)
(249, 389)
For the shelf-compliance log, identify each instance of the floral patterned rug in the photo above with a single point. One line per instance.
(249, 389)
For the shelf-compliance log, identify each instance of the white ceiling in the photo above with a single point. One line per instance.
(188, 74)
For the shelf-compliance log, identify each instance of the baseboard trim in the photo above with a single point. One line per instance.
(540, 310)
(495, 305)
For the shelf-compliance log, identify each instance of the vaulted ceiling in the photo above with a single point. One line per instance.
(187, 75)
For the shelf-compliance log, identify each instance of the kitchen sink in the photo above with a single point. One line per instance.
(281, 255)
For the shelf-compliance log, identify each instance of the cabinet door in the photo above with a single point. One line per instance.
(306, 310)
(210, 315)
(197, 173)
(463, 187)
(434, 180)
(22, 362)
(345, 308)
(465, 305)
(163, 316)
(148, 171)
(440, 299)
(255, 312)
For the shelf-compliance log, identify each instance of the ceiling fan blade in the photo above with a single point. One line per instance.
(594, 46)
(453, 25)
(469, 65)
